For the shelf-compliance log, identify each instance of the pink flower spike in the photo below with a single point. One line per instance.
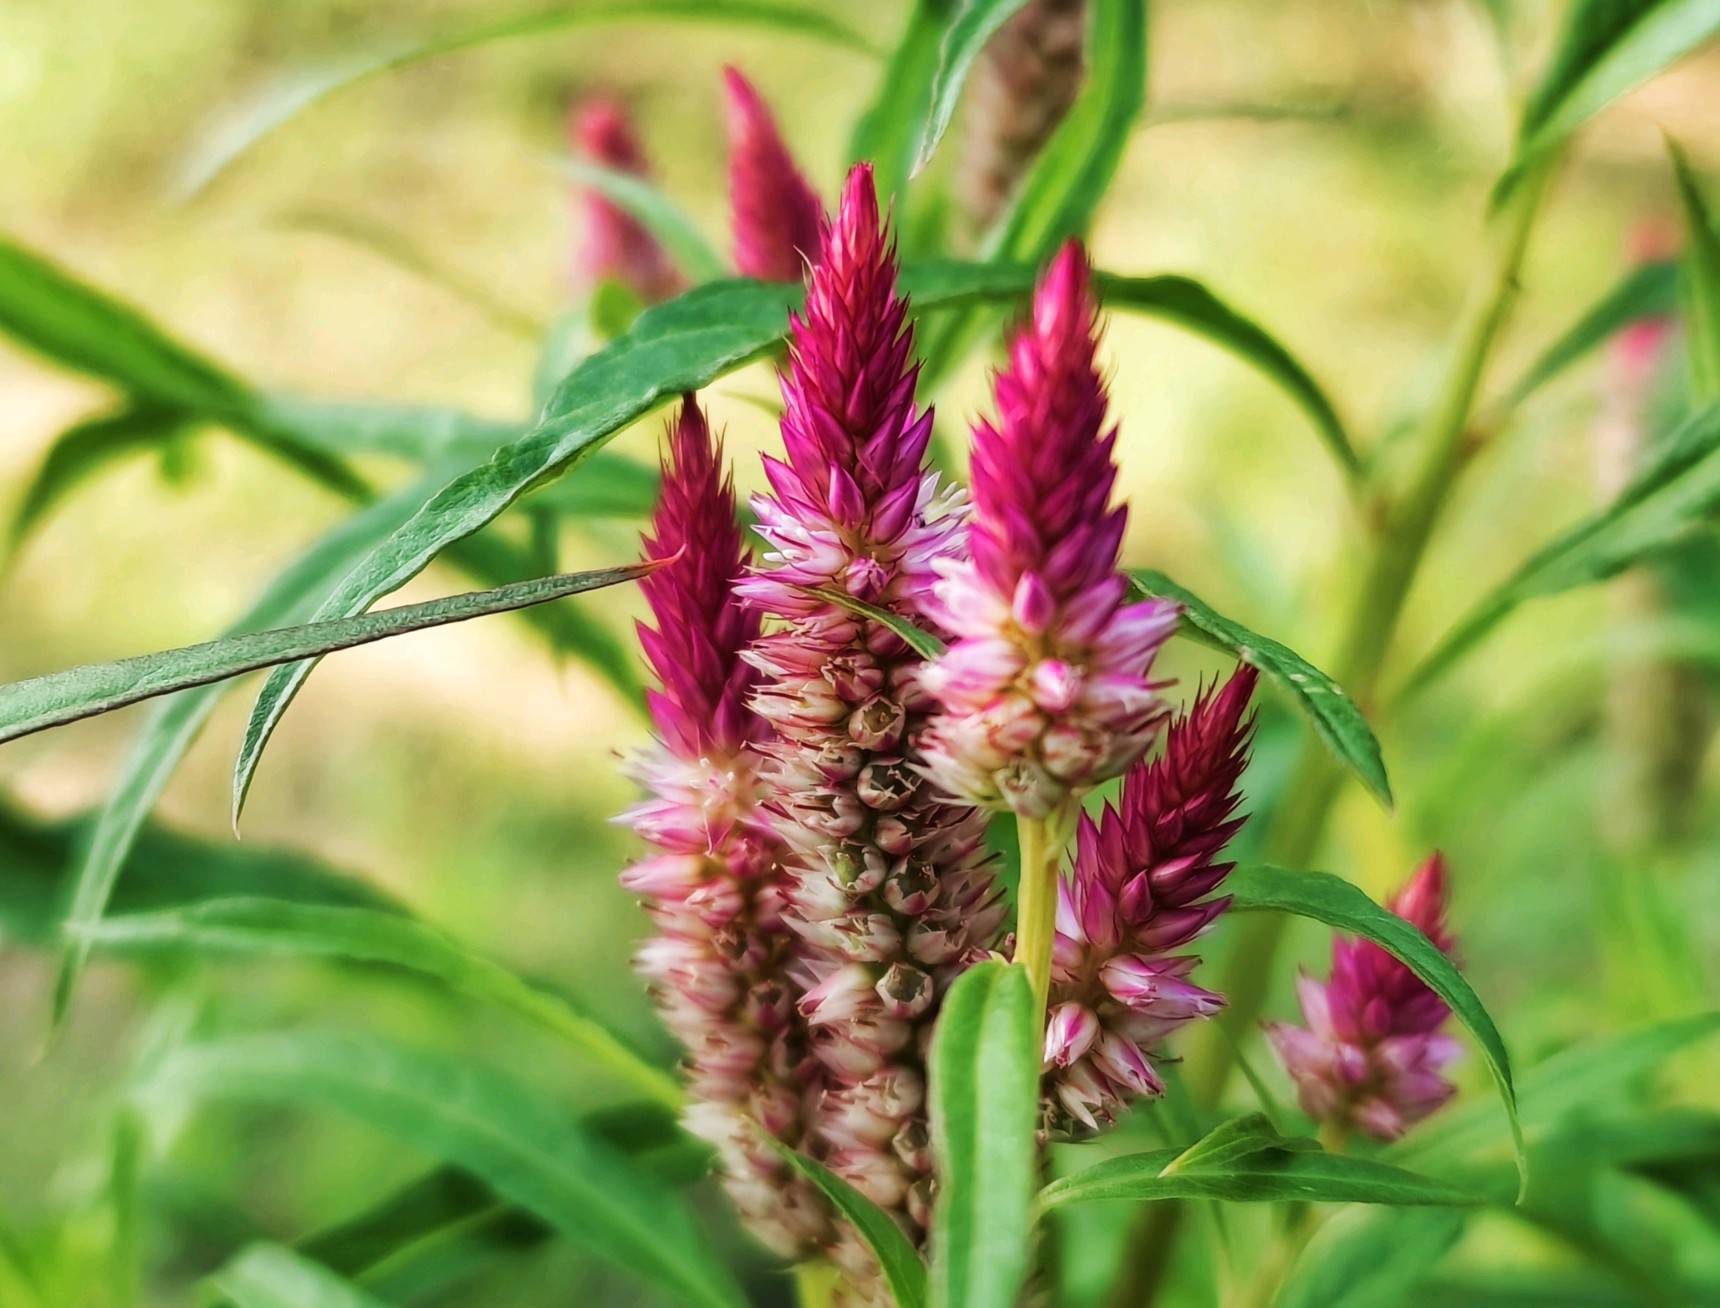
(616, 244)
(776, 214)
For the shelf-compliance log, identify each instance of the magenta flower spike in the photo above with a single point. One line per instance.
(1046, 690)
(890, 885)
(1371, 1054)
(776, 214)
(720, 959)
(1139, 892)
(615, 244)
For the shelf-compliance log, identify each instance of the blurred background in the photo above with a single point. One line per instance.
(1323, 166)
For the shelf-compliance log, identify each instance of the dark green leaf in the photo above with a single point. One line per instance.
(524, 1147)
(657, 213)
(1337, 903)
(1605, 48)
(1677, 489)
(974, 24)
(1334, 715)
(901, 1262)
(1701, 277)
(984, 1088)
(921, 641)
(270, 926)
(241, 129)
(272, 1276)
(62, 697)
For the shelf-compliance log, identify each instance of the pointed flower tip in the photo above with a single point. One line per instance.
(777, 216)
(1422, 900)
(602, 130)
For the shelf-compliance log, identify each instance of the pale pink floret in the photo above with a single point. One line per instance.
(1372, 1052)
(1045, 691)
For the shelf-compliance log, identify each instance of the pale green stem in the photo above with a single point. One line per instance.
(1042, 841)
(815, 1284)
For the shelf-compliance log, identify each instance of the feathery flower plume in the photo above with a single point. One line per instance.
(776, 214)
(1024, 82)
(1045, 692)
(616, 245)
(1372, 1052)
(1137, 894)
(890, 886)
(714, 885)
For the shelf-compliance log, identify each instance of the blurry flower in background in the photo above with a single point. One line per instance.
(774, 212)
(1137, 893)
(613, 243)
(1372, 1052)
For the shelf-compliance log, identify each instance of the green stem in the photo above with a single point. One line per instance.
(1300, 825)
(815, 1284)
(1042, 841)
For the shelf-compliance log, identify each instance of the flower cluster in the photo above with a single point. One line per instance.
(1138, 893)
(1372, 1052)
(1045, 692)
(719, 961)
(776, 215)
(616, 245)
(890, 888)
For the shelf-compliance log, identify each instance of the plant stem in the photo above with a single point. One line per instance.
(815, 1284)
(1042, 841)
(1300, 822)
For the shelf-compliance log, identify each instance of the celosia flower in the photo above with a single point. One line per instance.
(615, 244)
(1045, 692)
(776, 215)
(714, 885)
(1138, 893)
(1372, 1052)
(1021, 86)
(889, 884)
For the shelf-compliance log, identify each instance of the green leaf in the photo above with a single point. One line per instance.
(1232, 1140)
(83, 692)
(1332, 713)
(918, 639)
(524, 1147)
(1701, 277)
(1337, 903)
(1649, 290)
(657, 213)
(903, 1268)
(1605, 48)
(984, 1087)
(268, 926)
(1674, 492)
(289, 96)
(887, 132)
(272, 1276)
(1377, 1259)
(974, 24)
(86, 447)
(1272, 1174)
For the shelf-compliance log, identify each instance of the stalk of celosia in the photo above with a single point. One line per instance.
(775, 214)
(1045, 693)
(1021, 86)
(1371, 1055)
(719, 961)
(1138, 893)
(890, 884)
(615, 244)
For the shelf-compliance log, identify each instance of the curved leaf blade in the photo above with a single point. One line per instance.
(918, 639)
(251, 926)
(1332, 713)
(657, 213)
(1337, 903)
(974, 25)
(278, 104)
(525, 1148)
(984, 1087)
(273, 1276)
(1701, 278)
(896, 1255)
(83, 692)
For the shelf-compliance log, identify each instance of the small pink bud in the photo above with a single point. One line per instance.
(1069, 1034)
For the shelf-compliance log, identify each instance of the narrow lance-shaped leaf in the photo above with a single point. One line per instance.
(273, 1276)
(83, 692)
(243, 127)
(265, 926)
(1701, 278)
(900, 1261)
(1334, 715)
(984, 1089)
(660, 215)
(974, 25)
(1229, 1141)
(918, 639)
(528, 1150)
(1677, 489)
(888, 131)
(1337, 903)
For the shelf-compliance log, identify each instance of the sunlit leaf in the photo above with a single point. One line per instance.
(1332, 713)
(974, 24)
(524, 1147)
(657, 213)
(984, 1091)
(1337, 903)
(901, 1263)
(273, 1276)
(267, 926)
(1230, 1141)
(1676, 490)
(1700, 274)
(83, 692)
